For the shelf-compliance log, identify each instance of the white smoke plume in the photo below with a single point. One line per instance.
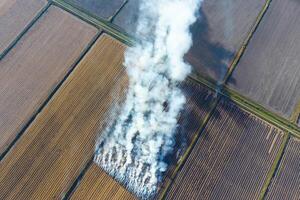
(133, 148)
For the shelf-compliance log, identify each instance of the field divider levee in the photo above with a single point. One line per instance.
(251, 106)
(51, 94)
(104, 25)
(274, 167)
(188, 151)
(276, 164)
(117, 12)
(76, 183)
(296, 113)
(25, 30)
(246, 41)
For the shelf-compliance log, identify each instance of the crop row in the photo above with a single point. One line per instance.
(49, 156)
(231, 158)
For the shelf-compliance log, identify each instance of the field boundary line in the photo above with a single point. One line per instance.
(245, 43)
(251, 106)
(296, 113)
(101, 24)
(51, 94)
(24, 31)
(274, 167)
(164, 191)
(78, 179)
(117, 12)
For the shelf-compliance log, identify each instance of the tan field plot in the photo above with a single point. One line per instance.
(285, 184)
(57, 146)
(33, 68)
(230, 160)
(15, 15)
(96, 184)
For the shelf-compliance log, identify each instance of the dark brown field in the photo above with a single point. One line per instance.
(219, 34)
(198, 104)
(15, 15)
(101, 8)
(230, 160)
(97, 185)
(285, 184)
(127, 17)
(49, 156)
(32, 69)
(269, 71)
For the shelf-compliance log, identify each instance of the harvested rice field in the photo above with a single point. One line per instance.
(199, 103)
(285, 184)
(230, 160)
(35, 66)
(63, 81)
(96, 184)
(59, 143)
(269, 70)
(21, 13)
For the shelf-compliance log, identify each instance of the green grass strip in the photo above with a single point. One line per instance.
(274, 167)
(102, 24)
(296, 113)
(251, 106)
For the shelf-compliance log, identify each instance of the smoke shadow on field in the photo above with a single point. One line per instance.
(199, 102)
(127, 18)
(190, 121)
(230, 115)
(207, 56)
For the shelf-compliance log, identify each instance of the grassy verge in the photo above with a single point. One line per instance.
(274, 167)
(251, 106)
(296, 113)
(102, 24)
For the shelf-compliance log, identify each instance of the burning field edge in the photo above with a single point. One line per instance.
(288, 126)
(244, 102)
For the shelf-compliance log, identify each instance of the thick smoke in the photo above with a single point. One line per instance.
(133, 148)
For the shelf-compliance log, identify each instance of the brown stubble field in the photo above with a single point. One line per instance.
(35, 66)
(230, 160)
(199, 103)
(269, 71)
(96, 184)
(54, 136)
(50, 155)
(15, 15)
